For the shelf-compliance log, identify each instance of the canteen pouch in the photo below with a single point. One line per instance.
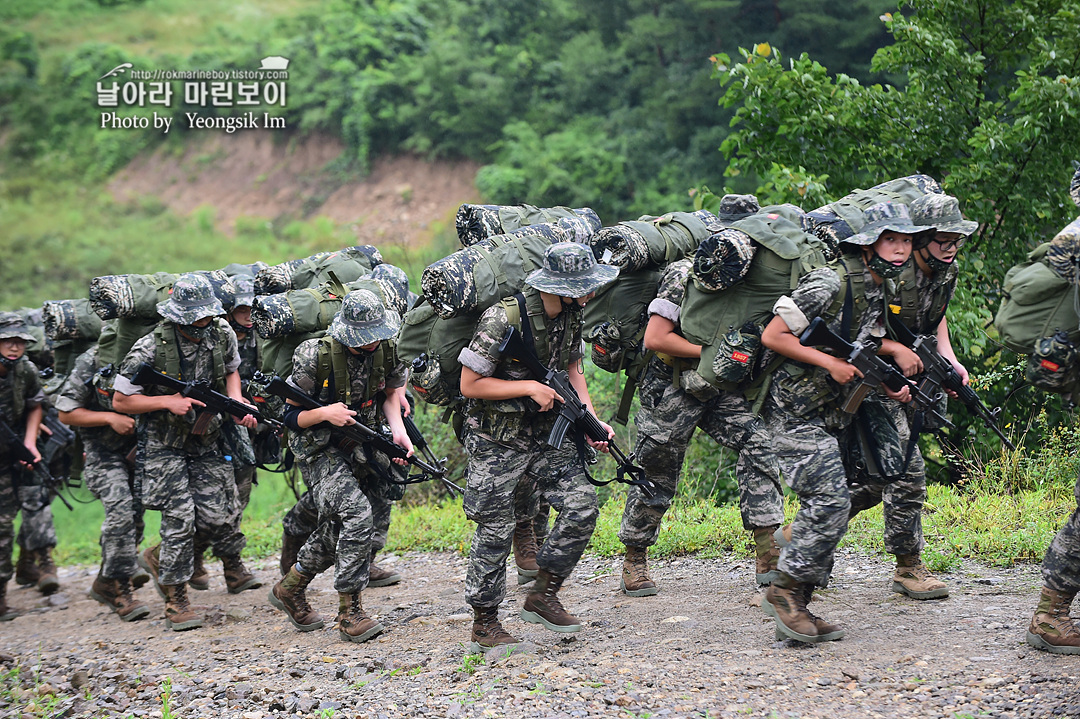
(737, 353)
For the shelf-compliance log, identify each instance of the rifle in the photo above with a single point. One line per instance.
(200, 390)
(573, 413)
(22, 454)
(361, 434)
(875, 370)
(939, 372)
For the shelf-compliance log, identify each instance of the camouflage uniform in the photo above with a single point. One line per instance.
(804, 417)
(346, 488)
(666, 422)
(37, 530)
(1061, 563)
(107, 473)
(191, 483)
(13, 410)
(509, 459)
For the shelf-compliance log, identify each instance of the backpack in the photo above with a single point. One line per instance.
(348, 264)
(137, 296)
(72, 327)
(1040, 317)
(728, 324)
(841, 219)
(478, 222)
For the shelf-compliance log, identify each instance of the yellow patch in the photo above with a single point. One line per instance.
(895, 309)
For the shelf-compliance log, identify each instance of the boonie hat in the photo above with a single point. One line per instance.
(569, 269)
(245, 290)
(943, 213)
(736, 207)
(192, 298)
(885, 216)
(12, 325)
(363, 320)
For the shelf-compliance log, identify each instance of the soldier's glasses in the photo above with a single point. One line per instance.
(947, 245)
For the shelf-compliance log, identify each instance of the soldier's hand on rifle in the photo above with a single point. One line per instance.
(543, 395)
(120, 423)
(842, 372)
(33, 450)
(337, 414)
(602, 446)
(247, 420)
(962, 371)
(401, 438)
(43, 428)
(904, 395)
(180, 405)
(906, 360)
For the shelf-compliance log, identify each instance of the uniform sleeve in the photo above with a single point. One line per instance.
(75, 392)
(141, 351)
(815, 292)
(671, 290)
(305, 367)
(397, 377)
(482, 354)
(232, 348)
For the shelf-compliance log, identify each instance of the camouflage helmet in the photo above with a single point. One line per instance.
(191, 299)
(942, 212)
(737, 207)
(363, 320)
(569, 269)
(12, 325)
(245, 290)
(394, 277)
(885, 216)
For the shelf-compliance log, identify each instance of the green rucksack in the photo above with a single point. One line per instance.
(348, 264)
(72, 327)
(728, 324)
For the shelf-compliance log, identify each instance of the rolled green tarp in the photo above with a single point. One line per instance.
(479, 222)
(475, 278)
(348, 264)
(71, 320)
(652, 241)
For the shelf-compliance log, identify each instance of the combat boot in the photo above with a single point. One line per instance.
(47, 583)
(178, 613)
(150, 560)
(290, 548)
(525, 549)
(289, 595)
(200, 578)
(1052, 629)
(237, 577)
(826, 631)
(487, 632)
(785, 601)
(26, 569)
(379, 577)
(542, 606)
(139, 578)
(6, 612)
(767, 553)
(914, 579)
(353, 624)
(635, 580)
(116, 595)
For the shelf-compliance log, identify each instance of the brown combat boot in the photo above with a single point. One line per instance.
(379, 577)
(1052, 629)
(542, 606)
(826, 631)
(26, 569)
(237, 577)
(290, 547)
(289, 596)
(914, 579)
(150, 560)
(116, 595)
(635, 580)
(525, 549)
(178, 613)
(785, 601)
(6, 612)
(767, 553)
(200, 578)
(354, 625)
(487, 632)
(47, 583)
(139, 578)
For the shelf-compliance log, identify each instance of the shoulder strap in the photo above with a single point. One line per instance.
(331, 370)
(167, 350)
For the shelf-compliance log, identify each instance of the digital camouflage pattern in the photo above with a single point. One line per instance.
(1074, 187)
(499, 480)
(1061, 563)
(653, 241)
(109, 478)
(942, 212)
(20, 391)
(363, 320)
(882, 217)
(37, 530)
(192, 299)
(12, 325)
(1064, 250)
(826, 223)
(303, 518)
(479, 222)
(723, 259)
(736, 207)
(570, 270)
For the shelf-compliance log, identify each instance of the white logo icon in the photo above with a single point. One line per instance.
(119, 70)
(274, 62)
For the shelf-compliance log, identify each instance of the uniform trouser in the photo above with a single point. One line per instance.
(903, 496)
(9, 507)
(108, 476)
(494, 480)
(194, 489)
(665, 423)
(810, 459)
(344, 533)
(245, 477)
(303, 519)
(1061, 564)
(37, 530)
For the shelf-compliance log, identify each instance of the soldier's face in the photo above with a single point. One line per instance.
(946, 245)
(12, 348)
(579, 301)
(893, 247)
(242, 315)
(368, 349)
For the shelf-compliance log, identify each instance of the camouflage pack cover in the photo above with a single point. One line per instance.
(840, 220)
(479, 222)
(312, 309)
(239, 268)
(1063, 255)
(71, 320)
(723, 259)
(349, 263)
(1036, 302)
(473, 279)
(653, 241)
(137, 296)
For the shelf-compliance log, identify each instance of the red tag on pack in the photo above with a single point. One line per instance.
(599, 350)
(1047, 364)
(740, 357)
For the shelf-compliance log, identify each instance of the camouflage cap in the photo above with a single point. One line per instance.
(736, 207)
(569, 269)
(885, 216)
(395, 277)
(942, 212)
(245, 290)
(12, 325)
(363, 320)
(191, 299)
